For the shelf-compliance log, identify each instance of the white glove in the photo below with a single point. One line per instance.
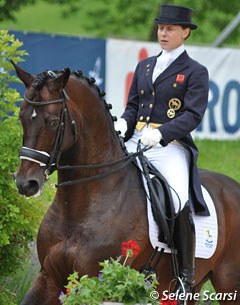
(151, 137)
(121, 125)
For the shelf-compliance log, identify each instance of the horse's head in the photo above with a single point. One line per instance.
(48, 128)
(62, 127)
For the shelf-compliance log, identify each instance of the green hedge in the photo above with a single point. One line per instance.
(19, 218)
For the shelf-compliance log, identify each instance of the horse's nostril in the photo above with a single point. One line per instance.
(29, 188)
(33, 184)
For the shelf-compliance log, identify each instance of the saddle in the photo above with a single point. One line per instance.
(161, 200)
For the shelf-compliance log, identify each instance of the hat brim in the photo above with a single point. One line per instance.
(170, 21)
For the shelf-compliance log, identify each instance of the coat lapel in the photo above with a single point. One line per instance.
(179, 64)
(149, 70)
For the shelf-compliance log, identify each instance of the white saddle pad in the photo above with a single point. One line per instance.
(206, 228)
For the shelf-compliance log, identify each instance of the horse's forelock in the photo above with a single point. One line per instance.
(40, 80)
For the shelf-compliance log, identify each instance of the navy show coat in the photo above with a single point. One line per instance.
(177, 100)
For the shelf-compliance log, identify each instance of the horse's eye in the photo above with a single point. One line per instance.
(54, 123)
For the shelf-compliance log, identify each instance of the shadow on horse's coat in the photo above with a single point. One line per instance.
(87, 222)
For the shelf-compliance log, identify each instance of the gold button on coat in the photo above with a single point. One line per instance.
(151, 105)
(148, 118)
(142, 92)
(141, 118)
(153, 93)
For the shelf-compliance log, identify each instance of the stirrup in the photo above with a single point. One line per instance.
(181, 289)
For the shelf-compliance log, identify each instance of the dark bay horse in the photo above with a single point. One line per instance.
(66, 122)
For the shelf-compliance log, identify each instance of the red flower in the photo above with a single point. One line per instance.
(130, 248)
(68, 289)
(168, 301)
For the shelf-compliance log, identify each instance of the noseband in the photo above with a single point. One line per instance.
(44, 159)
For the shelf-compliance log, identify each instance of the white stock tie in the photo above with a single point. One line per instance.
(163, 61)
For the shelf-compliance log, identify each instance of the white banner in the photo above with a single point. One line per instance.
(222, 118)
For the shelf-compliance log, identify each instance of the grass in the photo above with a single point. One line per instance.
(46, 18)
(220, 156)
(23, 277)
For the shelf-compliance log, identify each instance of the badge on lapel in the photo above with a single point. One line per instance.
(180, 78)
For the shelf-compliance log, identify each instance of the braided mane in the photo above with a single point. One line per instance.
(43, 77)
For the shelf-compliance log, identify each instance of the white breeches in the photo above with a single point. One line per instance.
(172, 161)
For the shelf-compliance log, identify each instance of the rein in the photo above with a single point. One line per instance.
(98, 165)
(123, 162)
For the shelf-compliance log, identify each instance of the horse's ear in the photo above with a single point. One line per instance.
(66, 74)
(60, 82)
(24, 76)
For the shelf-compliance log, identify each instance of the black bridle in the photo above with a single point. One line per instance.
(44, 159)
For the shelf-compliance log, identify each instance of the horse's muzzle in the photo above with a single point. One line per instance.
(31, 186)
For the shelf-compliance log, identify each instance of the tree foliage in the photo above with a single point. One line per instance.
(9, 49)
(8, 7)
(133, 19)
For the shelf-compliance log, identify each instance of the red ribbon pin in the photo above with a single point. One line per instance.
(180, 78)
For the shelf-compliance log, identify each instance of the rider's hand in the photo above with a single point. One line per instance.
(151, 137)
(121, 126)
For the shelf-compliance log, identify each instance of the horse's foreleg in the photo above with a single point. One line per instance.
(43, 292)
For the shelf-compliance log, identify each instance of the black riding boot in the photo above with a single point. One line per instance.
(184, 237)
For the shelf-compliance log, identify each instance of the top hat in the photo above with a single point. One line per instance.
(174, 14)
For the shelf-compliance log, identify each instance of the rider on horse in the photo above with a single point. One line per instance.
(167, 100)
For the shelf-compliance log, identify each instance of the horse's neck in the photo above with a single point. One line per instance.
(89, 153)
(100, 147)
(100, 199)
(97, 144)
